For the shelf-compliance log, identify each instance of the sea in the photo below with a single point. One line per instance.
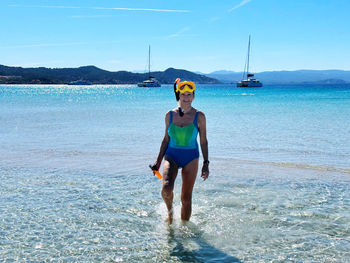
(75, 185)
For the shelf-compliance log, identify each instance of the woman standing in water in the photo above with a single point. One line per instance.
(180, 149)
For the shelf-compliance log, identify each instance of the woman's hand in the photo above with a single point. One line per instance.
(155, 166)
(205, 171)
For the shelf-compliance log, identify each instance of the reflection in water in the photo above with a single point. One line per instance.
(188, 245)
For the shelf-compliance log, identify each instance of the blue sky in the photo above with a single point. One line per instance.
(196, 35)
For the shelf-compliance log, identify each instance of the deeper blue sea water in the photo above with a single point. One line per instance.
(75, 184)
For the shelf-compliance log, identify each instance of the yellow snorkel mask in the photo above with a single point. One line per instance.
(182, 87)
(185, 86)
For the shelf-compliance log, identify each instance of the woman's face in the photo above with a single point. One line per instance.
(186, 98)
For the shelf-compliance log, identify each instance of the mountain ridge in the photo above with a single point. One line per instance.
(287, 77)
(93, 75)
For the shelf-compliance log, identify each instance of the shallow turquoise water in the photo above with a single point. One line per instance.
(75, 184)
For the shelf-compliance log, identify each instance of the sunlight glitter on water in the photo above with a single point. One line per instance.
(75, 184)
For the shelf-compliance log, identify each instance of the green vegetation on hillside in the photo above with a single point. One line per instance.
(93, 75)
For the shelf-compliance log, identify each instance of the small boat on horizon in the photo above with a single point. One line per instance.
(79, 82)
(248, 80)
(151, 81)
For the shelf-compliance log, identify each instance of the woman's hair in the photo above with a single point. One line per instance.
(177, 93)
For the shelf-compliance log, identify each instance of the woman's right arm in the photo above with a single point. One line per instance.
(165, 142)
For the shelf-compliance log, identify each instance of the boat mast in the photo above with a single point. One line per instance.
(246, 65)
(149, 61)
(248, 57)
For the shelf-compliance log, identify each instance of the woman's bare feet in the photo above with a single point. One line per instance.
(169, 219)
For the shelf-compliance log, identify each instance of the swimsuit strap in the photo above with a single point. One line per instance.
(171, 117)
(195, 119)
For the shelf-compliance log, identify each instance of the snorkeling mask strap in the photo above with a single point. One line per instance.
(177, 95)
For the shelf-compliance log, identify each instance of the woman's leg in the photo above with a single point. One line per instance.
(170, 170)
(189, 174)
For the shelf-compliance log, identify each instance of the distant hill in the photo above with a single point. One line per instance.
(94, 75)
(288, 77)
(226, 76)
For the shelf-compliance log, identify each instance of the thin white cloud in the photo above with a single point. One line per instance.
(244, 2)
(142, 9)
(60, 44)
(106, 8)
(92, 16)
(179, 33)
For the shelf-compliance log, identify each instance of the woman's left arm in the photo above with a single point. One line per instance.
(202, 127)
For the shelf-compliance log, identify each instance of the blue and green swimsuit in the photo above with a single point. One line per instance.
(183, 145)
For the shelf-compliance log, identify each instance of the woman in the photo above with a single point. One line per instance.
(180, 149)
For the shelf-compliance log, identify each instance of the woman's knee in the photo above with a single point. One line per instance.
(167, 188)
(186, 199)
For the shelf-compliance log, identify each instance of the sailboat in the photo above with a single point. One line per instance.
(151, 81)
(248, 79)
